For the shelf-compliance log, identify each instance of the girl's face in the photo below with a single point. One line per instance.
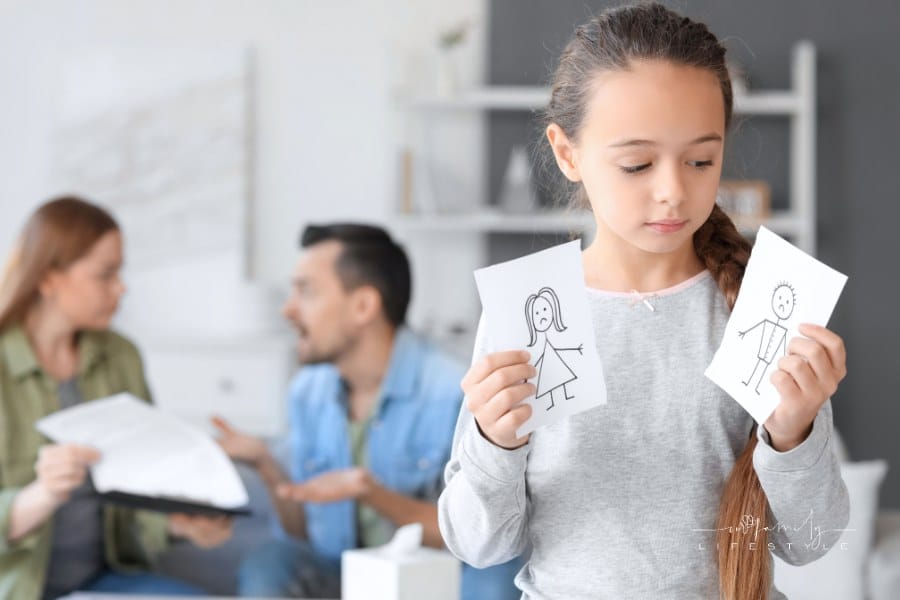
(87, 293)
(649, 153)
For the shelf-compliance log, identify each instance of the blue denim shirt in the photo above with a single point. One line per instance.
(408, 441)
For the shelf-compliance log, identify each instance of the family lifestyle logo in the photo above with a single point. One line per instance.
(750, 527)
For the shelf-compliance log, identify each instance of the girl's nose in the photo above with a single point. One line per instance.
(669, 186)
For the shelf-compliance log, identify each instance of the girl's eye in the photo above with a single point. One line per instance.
(701, 164)
(635, 169)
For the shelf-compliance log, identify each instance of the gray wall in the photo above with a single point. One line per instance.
(857, 150)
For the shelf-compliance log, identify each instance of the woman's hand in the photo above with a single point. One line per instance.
(61, 468)
(202, 531)
(494, 388)
(239, 445)
(805, 379)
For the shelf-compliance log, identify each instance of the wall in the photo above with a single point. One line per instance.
(327, 80)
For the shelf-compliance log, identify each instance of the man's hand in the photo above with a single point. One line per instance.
(202, 531)
(333, 486)
(238, 445)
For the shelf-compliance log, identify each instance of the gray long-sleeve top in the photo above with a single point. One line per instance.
(621, 501)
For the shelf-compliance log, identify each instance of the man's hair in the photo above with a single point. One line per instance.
(368, 257)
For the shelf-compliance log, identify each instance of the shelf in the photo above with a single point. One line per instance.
(781, 222)
(797, 103)
(496, 221)
(532, 98)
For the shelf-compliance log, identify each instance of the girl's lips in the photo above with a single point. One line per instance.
(666, 226)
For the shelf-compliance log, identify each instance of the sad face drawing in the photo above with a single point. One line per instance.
(774, 334)
(543, 313)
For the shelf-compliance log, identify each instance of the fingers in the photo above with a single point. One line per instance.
(60, 468)
(802, 374)
(499, 381)
(785, 384)
(492, 362)
(222, 425)
(72, 453)
(292, 491)
(832, 343)
(502, 402)
(818, 359)
(202, 530)
(515, 418)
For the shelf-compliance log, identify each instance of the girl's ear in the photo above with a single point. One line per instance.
(563, 151)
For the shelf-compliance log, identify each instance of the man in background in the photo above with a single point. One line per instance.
(371, 421)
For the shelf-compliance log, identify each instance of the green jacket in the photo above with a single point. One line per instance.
(108, 364)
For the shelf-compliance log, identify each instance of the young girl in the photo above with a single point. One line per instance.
(669, 490)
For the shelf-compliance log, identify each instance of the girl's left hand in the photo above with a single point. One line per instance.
(200, 530)
(805, 379)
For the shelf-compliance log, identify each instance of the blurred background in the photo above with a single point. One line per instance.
(216, 129)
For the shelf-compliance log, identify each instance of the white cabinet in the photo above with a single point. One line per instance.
(242, 380)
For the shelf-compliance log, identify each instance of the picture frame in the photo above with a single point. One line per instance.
(747, 201)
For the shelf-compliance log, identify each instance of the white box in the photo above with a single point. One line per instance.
(379, 574)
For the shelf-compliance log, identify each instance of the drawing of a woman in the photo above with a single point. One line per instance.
(541, 312)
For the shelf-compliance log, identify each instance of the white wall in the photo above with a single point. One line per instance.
(326, 78)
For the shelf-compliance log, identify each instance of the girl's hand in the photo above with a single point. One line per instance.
(494, 387)
(805, 379)
(61, 468)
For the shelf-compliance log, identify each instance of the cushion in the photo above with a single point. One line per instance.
(841, 573)
(884, 565)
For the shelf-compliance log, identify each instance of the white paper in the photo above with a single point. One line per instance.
(147, 452)
(782, 288)
(539, 303)
(407, 539)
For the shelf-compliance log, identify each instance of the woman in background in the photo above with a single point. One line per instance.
(59, 294)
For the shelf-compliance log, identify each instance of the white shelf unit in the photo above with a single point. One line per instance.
(798, 104)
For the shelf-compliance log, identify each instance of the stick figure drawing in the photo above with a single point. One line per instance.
(541, 312)
(774, 335)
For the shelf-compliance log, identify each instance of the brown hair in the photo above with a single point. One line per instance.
(610, 41)
(56, 235)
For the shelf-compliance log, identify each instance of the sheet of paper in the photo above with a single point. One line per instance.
(148, 452)
(539, 303)
(782, 287)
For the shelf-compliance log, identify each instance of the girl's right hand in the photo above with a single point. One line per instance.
(61, 468)
(494, 387)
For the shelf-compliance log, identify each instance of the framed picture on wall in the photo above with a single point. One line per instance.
(747, 201)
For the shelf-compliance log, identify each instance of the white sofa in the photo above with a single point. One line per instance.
(865, 565)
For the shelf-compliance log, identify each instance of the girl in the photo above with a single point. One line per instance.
(668, 491)
(57, 299)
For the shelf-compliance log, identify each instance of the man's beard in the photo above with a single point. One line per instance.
(318, 356)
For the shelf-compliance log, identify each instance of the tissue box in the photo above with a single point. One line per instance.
(377, 574)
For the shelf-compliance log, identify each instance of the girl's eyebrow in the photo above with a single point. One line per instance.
(709, 137)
